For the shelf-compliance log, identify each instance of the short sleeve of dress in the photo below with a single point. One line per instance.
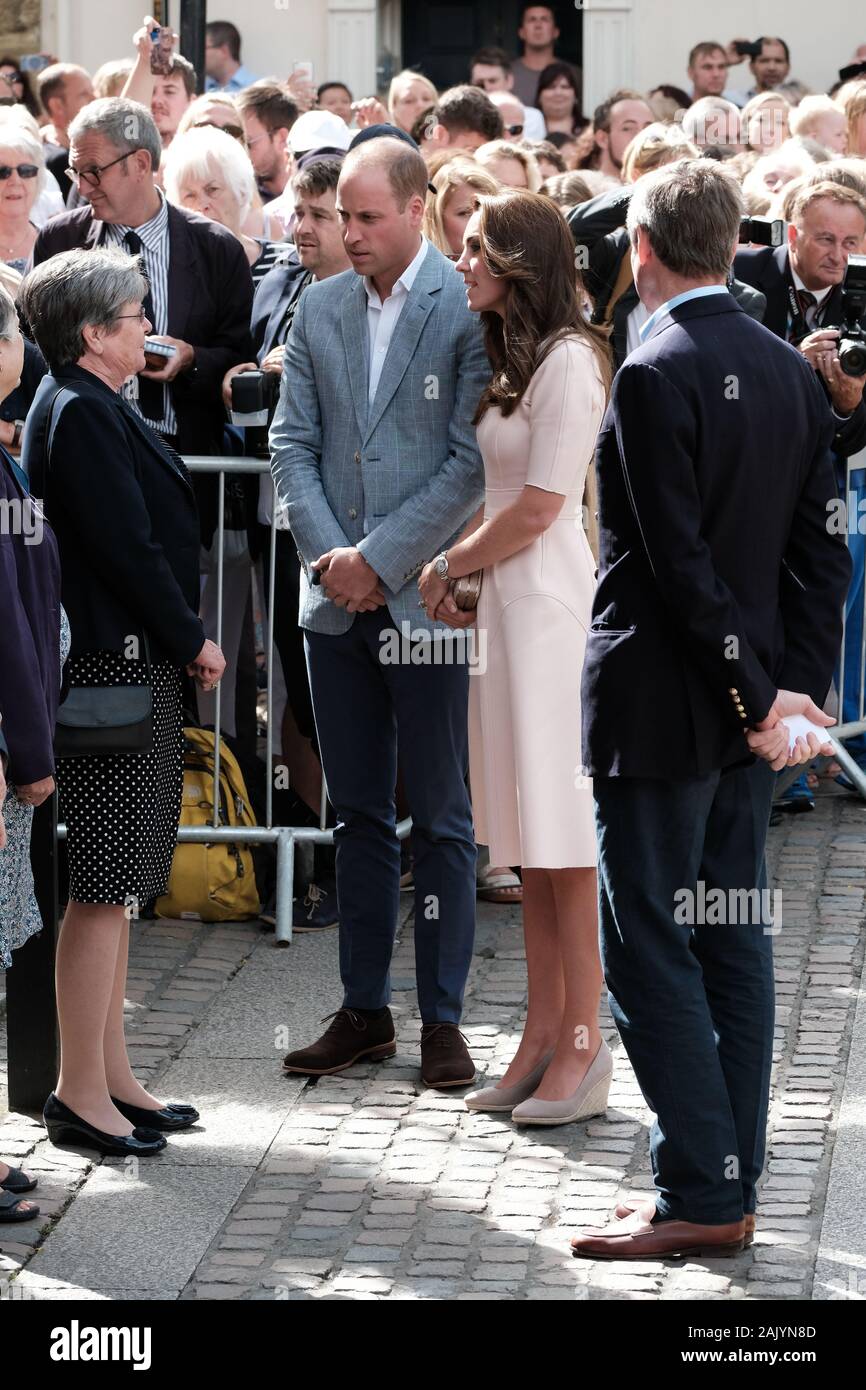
(566, 402)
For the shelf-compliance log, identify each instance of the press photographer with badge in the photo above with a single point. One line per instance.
(122, 508)
(816, 298)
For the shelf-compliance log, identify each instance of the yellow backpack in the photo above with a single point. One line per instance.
(211, 882)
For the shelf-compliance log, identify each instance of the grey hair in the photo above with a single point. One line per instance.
(126, 125)
(72, 289)
(691, 213)
(8, 316)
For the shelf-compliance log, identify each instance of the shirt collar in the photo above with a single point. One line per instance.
(151, 232)
(820, 295)
(405, 281)
(664, 309)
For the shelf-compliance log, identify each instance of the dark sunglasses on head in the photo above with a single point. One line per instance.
(24, 171)
(514, 129)
(235, 131)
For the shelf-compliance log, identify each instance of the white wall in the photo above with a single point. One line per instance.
(278, 32)
(822, 37)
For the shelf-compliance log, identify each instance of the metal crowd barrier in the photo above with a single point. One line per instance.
(285, 837)
(838, 735)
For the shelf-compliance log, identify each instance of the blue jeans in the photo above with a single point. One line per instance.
(367, 711)
(693, 1001)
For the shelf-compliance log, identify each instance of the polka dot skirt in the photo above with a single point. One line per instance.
(122, 810)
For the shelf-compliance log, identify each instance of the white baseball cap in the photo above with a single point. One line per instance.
(319, 130)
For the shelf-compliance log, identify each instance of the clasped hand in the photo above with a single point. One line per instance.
(769, 739)
(348, 581)
(437, 600)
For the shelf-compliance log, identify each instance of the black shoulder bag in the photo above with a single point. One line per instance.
(102, 719)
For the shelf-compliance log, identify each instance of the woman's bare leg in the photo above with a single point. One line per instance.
(576, 914)
(85, 971)
(118, 1073)
(546, 985)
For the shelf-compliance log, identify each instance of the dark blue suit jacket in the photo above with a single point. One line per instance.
(274, 293)
(29, 638)
(718, 580)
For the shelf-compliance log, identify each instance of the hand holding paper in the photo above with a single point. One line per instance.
(794, 732)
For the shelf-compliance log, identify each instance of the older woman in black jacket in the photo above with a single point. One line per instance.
(122, 507)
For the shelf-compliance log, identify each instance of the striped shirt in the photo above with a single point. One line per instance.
(155, 257)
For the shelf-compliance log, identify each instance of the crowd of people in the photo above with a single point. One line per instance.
(502, 336)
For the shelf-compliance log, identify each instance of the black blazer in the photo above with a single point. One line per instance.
(767, 270)
(210, 296)
(718, 580)
(274, 293)
(125, 519)
(29, 639)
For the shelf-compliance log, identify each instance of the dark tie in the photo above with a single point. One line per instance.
(807, 301)
(151, 398)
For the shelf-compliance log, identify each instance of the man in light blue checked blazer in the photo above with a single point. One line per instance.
(375, 461)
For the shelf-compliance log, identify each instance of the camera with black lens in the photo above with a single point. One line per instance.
(852, 342)
(254, 399)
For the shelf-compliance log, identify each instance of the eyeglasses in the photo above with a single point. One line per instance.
(141, 315)
(12, 77)
(514, 129)
(94, 176)
(24, 171)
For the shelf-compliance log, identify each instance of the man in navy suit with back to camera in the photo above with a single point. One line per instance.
(717, 617)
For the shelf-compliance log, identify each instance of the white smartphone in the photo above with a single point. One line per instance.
(303, 70)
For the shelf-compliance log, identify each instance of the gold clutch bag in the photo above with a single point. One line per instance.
(466, 590)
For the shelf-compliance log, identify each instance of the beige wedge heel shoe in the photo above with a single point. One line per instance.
(589, 1099)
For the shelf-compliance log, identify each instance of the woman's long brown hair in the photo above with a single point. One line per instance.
(525, 241)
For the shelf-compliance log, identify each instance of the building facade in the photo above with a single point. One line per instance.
(633, 43)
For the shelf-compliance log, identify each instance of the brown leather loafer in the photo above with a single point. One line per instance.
(647, 1208)
(633, 1238)
(445, 1059)
(352, 1037)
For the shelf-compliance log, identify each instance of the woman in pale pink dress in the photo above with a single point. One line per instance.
(537, 424)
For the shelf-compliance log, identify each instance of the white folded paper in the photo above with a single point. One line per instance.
(799, 726)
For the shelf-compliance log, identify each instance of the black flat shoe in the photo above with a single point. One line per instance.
(17, 1181)
(65, 1127)
(170, 1117)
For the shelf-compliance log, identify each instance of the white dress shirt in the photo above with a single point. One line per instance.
(382, 318)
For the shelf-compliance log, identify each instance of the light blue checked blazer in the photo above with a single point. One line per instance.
(399, 479)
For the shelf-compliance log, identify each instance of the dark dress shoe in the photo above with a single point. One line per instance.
(17, 1181)
(65, 1127)
(445, 1059)
(169, 1118)
(647, 1208)
(355, 1035)
(633, 1238)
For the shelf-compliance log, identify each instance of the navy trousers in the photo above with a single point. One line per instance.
(690, 975)
(368, 711)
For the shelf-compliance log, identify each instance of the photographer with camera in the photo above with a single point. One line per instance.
(250, 393)
(769, 62)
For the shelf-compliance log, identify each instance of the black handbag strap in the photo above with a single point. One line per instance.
(51, 425)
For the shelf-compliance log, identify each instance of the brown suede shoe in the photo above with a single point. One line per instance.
(632, 1238)
(445, 1059)
(350, 1038)
(647, 1208)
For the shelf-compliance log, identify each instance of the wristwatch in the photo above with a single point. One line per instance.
(440, 565)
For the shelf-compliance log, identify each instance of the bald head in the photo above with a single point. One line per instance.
(403, 167)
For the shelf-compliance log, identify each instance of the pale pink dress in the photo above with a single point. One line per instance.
(531, 804)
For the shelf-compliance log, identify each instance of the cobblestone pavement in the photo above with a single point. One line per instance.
(368, 1186)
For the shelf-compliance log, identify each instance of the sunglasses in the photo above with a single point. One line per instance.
(514, 129)
(24, 171)
(235, 131)
(12, 77)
